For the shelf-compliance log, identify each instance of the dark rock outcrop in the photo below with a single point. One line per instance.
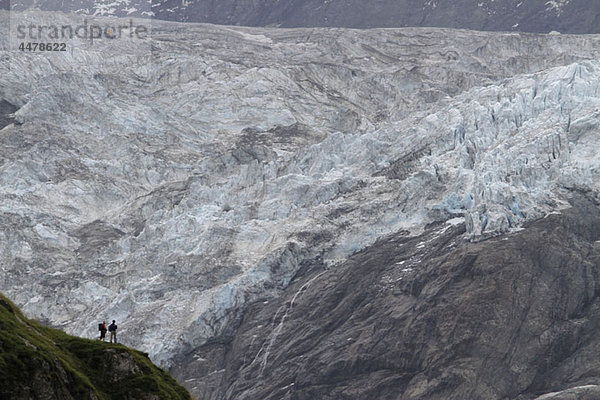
(427, 317)
(7, 111)
(574, 16)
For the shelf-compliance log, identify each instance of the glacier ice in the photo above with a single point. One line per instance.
(167, 188)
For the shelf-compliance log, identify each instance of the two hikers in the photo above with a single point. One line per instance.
(112, 328)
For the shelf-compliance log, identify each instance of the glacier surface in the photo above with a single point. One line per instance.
(167, 182)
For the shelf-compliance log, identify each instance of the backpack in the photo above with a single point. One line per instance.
(100, 327)
(112, 327)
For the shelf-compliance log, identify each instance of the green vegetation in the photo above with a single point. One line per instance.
(37, 362)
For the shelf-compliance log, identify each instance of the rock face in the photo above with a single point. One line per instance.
(169, 181)
(45, 364)
(427, 317)
(567, 16)
(6, 113)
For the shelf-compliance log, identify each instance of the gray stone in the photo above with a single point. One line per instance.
(504, 318)
(566, 16)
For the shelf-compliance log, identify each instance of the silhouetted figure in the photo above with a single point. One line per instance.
(112, 328)
(102, 329)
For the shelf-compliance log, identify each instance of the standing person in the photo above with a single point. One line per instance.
(112, 328)
(102, 329)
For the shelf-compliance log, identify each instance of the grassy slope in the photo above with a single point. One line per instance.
(37, 361)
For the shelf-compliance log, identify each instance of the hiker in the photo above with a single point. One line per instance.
(102, 329)
(112, 328)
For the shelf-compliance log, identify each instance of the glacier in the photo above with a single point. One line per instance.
(170, 181)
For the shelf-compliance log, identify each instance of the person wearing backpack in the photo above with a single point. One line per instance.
(112, 328)
(102, 329)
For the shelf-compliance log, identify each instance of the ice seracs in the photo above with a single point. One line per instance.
(167, 183)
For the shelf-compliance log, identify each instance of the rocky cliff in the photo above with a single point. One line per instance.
(170, 181)
(427, 317)
(567, 16)
(45, 364)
